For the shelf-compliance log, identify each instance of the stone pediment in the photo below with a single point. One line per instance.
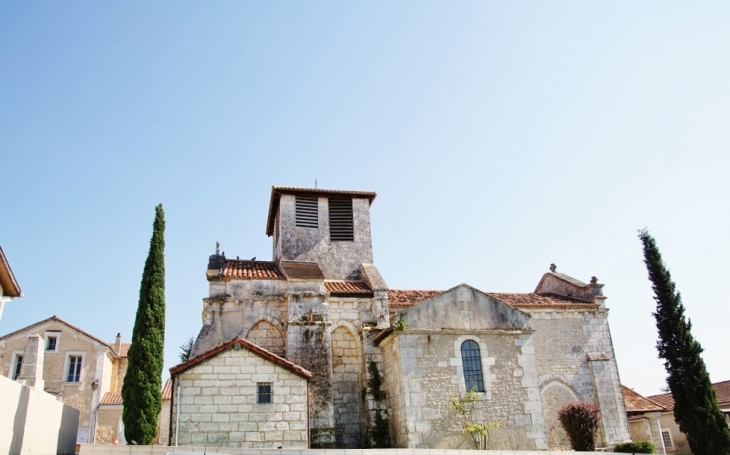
(465, 308)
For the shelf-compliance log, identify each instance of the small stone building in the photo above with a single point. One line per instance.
(386, 363)
(240, 395)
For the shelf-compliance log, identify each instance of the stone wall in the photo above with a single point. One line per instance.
(575, 360)
(338, 260)
(424, 373)
(107, 426)
(218, 408)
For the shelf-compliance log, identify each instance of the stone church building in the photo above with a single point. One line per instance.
(313, 349)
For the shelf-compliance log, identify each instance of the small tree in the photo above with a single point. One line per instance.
(464, 407)
(695, 404)
(141, 390)
(634, 447)
(580, 421)
(185, 349)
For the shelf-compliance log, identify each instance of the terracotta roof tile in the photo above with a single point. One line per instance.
(167, 390)
(251, 270)
(111, 398)
(401, 298)
(124, 350)
(536, 301)
(302, 270)
(347, 287)
(636, 403)
(722, 392)
(256, 349)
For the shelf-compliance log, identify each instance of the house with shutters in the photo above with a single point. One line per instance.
(380, 365)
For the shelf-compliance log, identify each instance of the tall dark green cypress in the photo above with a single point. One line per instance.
(141, 392)
(695, 403)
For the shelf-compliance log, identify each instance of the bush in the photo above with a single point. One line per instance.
(634, 447)
(580, 421)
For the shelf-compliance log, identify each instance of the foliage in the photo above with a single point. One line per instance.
(695, 403)
(141, 390)
(464, 407)
(380, 430)
(634, 447)
(185, 349)
(580, 421)
(375, 382)
(400, 323)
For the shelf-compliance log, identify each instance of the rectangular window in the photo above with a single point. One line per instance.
(667, 437)
(341, 225)
(306, 212)
(74, 368)
(263, 395)
(18, 365)
(51, 343)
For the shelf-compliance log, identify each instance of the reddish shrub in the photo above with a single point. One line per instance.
(580, 420)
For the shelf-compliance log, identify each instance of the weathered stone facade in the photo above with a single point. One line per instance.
(321, 304)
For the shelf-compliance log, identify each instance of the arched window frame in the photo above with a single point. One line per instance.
(471, 362)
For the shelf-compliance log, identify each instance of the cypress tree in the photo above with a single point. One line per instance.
(141, 392)
(695, 403)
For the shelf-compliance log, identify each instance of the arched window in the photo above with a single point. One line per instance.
(472, 363)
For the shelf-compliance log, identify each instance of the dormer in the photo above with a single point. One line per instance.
(329, 227)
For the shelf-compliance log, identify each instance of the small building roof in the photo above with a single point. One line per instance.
(343, 288)
(722, 392)
(256, 349)
(638, 404)
(398, 298)
(302, 270)
(111, 398)
(167, 390)
(9, 284)
(124, 350)
(251, 270)
(277, 191)
(532, 301)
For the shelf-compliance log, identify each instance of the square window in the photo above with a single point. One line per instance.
(52, 340)
(74, 368)
(263, 395)
(51, 343)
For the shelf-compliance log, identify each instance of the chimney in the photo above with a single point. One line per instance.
(118, 343)
(31, 371)
(216, 262)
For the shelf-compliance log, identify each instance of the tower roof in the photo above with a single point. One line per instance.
(277, 191)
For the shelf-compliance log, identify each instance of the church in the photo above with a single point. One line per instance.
(314, 350)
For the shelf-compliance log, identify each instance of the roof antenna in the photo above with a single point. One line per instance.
(315, 183)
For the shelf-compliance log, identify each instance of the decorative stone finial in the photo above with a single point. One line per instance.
(594, 280)
(217, 248)
(553, 268)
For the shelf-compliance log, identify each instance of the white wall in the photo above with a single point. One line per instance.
(34, 422)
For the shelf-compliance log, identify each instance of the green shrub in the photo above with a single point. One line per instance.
(634, 447)
(580, 421)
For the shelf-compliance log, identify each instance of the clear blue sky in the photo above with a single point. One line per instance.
(500, 137)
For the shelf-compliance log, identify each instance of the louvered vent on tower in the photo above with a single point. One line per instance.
(341, 227)
(307, 212)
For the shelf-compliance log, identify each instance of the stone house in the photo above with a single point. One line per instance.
(86, 372)
(644, 420)
(672, 440)
(381, 356)
(240, 395)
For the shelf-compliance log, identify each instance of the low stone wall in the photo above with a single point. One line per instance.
(89, 449)
(35, 422)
